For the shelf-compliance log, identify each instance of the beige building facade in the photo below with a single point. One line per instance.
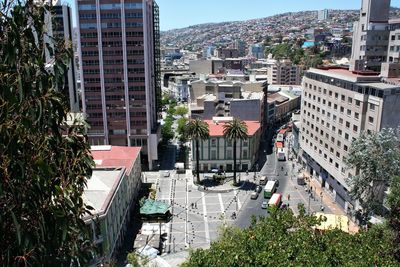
(337, 106)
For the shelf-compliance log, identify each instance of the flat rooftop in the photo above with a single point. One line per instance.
(347, 75)
(115, 156)
(100, 189)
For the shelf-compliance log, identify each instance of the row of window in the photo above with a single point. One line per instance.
(229, 143)
(111, 34)
(115, 80)
(321, 153)
(110, 6)
(114, 52)
(110, 25)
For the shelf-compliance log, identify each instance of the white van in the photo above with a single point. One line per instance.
(263, 180)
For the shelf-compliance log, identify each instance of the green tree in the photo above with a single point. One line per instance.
(44, 163)
(376, 157)
(283, 239)
(394, 214)
(198, 130)
(181, 111)
(235, 130)
(181, 129)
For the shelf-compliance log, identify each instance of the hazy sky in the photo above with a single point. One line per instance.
(183, 13)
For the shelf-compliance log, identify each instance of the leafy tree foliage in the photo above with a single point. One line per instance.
(377, 157)
(181, 111)
(235, 130)
(44, 163)
(394, 215)
(283, 239)
(198, 130)
(181, 130)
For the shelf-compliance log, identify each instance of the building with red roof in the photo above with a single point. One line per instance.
(217, 152)
(112, 191)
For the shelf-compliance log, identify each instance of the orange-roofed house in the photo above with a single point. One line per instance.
(112, 191)
(217, 152)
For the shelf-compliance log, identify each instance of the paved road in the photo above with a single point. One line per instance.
(195, 226)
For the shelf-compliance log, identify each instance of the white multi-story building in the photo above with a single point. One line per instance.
(337, 106)
(112, 191)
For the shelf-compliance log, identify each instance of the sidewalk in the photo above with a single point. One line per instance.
(329, 201)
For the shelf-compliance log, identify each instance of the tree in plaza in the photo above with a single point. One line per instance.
(235, 130)
(283, 239)
(198, 130)
(181, 111)
(181, 129)
(44, 163)
(376, 158)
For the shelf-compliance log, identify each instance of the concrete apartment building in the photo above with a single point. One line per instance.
(337, 106)
(119, 58)
(217, 152)
(283, 72)
(371, 36)
(226, 53)
(323, 14)
(214, 98)
(112, 191)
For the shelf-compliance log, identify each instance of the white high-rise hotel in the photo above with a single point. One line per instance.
(339, 104)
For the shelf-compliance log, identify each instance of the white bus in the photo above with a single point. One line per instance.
(269, 189)
(281, 154)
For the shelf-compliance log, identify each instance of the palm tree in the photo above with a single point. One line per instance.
(197, 130)
(235, 130)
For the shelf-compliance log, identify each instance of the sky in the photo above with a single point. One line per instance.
(182, 13)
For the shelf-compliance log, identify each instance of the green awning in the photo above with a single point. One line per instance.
(152, 207)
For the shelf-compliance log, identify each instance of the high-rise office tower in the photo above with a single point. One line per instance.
(119, 54)
(371, 35)
(58, 25)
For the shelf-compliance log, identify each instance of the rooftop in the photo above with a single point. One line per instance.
(115, 156)
(216, 126)
(347, 75)
(100, 189)
(277, 97)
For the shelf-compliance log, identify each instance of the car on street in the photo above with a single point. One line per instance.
(258, 189)
(264, 205)
(254, 195)
(166, 173)
(277, 183)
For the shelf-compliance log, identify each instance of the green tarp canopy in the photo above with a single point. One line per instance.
(153, 207)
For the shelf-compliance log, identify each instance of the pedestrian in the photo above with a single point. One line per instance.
(195, 205)
(288, 197)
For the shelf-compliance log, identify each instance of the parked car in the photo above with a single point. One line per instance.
(264, 205)
(166, 173)
(258, 189)
(254, 195)
(276, 183)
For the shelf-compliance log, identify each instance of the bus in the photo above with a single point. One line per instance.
(269, 189)
(276, 200)
(281, 154)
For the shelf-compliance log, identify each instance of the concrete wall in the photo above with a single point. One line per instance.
(249, 109)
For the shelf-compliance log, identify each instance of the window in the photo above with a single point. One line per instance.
(213, 154)
(341, 109)
(350, 100)
(340, 121)
(339, 144)
(356, 115)
(336, 95)
(347, 124)
(370, 119)
(355, 128)
(213, 142)
(371, 106)
(358, 103)
(330, 93)
(229, 142)
(229, 154)
(346, 136)
(343, 98)
(345, 148)
(245, 143)
(337, 165)
(340, 132)
(245, 153)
